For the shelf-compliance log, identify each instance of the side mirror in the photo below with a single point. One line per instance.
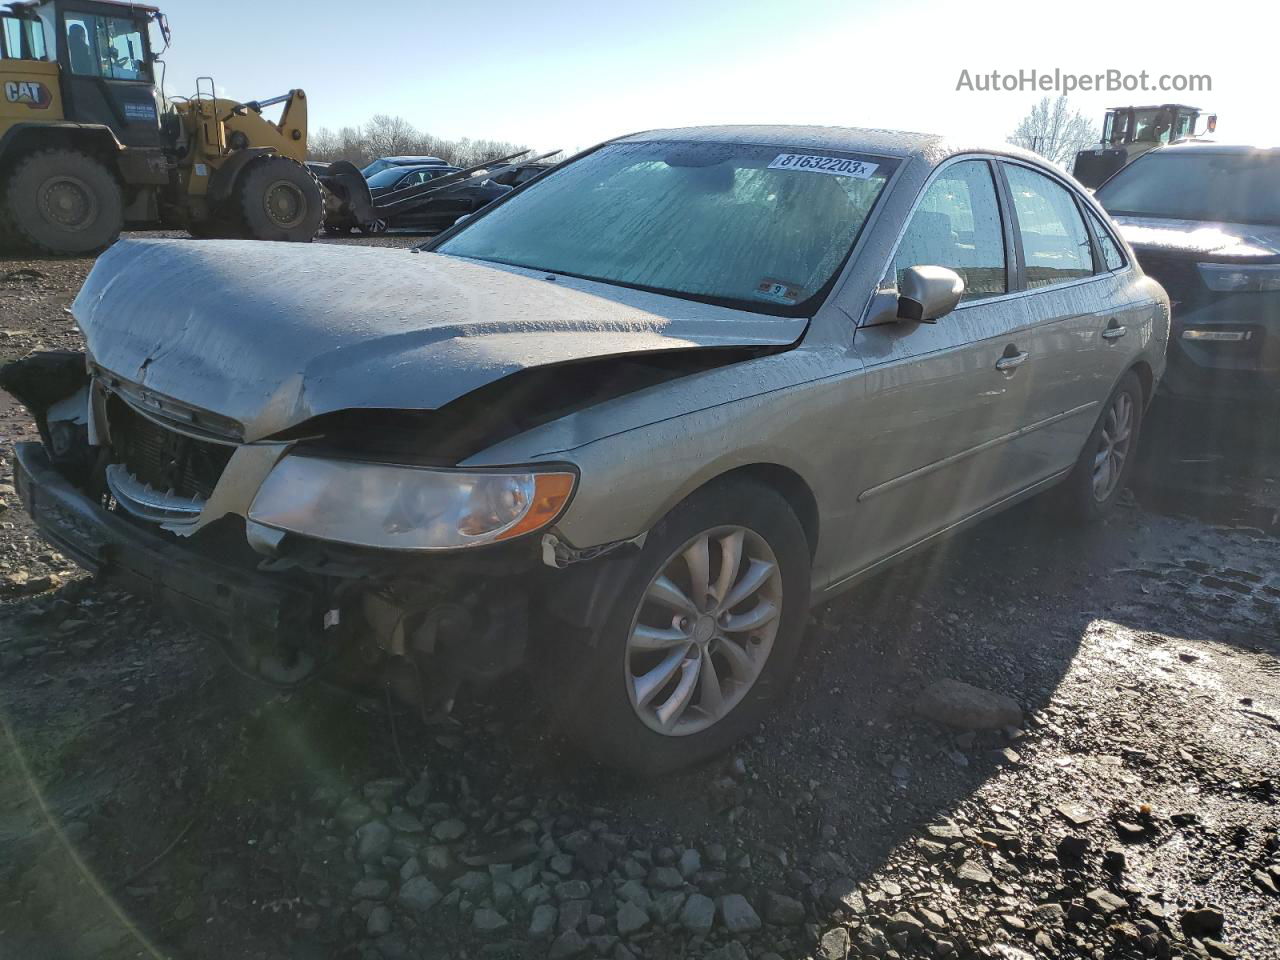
(926, 293)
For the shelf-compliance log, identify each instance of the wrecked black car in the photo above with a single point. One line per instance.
(625, 425)
(1204, 220)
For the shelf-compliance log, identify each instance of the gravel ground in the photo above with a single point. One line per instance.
(154, 803)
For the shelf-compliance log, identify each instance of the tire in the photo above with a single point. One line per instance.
(594, 687)
(1083, 498)
(64, 203)
(280, 200)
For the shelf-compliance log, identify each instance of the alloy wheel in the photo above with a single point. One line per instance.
(1113, 446)
(703, 631)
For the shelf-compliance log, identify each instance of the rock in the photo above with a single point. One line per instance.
(958, 704)
(373, 841)
(690, 863)
(1049, 913)
(543, 922)
(698, 914)
(843, 893)
(594, 858)
(1113, 860)
(635, 892)
(1104, 901)
(402, 821)
(379, 922)
(1264, 883)
(1077, 814)
(562, 864)
(730, 951)
(410, 868)
(1072, 848)
(970, 872)
(834, 944)
(420, 894)
(446, 831)
(473, 883)
(568, 944)
(737, 914)
(574, 913)
(783, 910)
(436, 858)
(371, 888)
(1203, 922)
(489, 922)
(631, 919)
(665, 878)
(1130, 832)
(1217, 949)
(903, 922)
(573, 890)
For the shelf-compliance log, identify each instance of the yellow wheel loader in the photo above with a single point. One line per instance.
(88, 144)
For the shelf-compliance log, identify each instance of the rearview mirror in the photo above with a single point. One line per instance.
(926, 293)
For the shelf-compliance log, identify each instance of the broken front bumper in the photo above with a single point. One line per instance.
(225, 601)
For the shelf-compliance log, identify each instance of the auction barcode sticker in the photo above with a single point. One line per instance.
(840, 166)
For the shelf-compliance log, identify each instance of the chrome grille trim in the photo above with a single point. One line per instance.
(142, 501)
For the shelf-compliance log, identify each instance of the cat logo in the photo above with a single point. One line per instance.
(34, 94)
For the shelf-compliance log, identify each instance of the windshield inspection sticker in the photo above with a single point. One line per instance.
(840, 166)
(777, 291)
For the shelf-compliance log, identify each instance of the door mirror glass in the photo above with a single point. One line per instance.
(926, 293)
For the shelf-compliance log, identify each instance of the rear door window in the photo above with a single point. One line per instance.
(1112, 258)
(1055, 243)
(957, 225)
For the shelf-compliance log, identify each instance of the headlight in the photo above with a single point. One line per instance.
(1229, 278)
(407, 508)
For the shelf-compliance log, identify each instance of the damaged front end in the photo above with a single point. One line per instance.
(158, 498)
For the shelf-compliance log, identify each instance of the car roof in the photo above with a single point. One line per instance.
(1209, 146)
(929, 147)
(410, 167)
(409, 159)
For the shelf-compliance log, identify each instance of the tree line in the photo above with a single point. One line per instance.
(388, 136)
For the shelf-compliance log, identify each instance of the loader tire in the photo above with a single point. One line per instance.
(280, 200)
(64, 203)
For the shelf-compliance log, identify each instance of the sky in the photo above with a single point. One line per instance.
(560, 74)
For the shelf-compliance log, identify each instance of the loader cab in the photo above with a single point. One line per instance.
(1129, 132)
(105, 62)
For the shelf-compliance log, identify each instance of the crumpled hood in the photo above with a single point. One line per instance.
(1201, 238)
(272, 334)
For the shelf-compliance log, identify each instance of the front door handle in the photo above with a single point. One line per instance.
(1011, 361)
(1114, 332)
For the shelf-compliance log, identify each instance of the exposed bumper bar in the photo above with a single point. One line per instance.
(216, 598)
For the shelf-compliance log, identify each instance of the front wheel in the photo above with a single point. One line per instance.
(64, 202)
(701, 638)
(1106, 463)
(280, 200)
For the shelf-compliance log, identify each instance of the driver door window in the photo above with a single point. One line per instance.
(957, 225)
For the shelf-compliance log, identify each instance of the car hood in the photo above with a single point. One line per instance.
(1201, 238)
(273, 334)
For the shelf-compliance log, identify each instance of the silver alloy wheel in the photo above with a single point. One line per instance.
(703, 631)
(1113, 446)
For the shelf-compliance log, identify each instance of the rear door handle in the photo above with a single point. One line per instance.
(1011, 361)
(1114, 332)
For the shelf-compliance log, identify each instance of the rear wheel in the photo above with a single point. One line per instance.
(1106, 463)
(280, 200)
(64, 202)
(700, 640)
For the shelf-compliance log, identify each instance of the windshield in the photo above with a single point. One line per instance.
(765, 228)
(1231, 188)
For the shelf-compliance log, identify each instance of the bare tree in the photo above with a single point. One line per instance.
(387, 136)
(1055, 131)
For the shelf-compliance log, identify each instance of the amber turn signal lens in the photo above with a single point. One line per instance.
(550, 493)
